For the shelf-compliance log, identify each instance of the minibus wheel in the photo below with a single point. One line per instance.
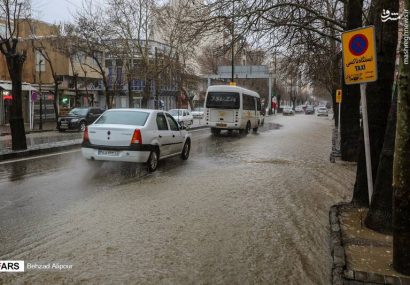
(215, 131)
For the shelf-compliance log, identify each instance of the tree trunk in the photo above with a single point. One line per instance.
(378, 94)
(401, 166)
(106, 93)
(18, 133)
(360, 193)
(55, 101)
(379, 217)
(129, 93)
(350, 115)
(147, 93)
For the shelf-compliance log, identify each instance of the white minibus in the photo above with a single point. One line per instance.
(232, 108)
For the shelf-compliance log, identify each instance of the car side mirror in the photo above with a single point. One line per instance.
(182, 126)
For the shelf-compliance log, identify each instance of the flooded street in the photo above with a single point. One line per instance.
(240, 210)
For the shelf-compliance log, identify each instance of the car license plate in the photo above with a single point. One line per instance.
(63, 126)
(221, 125)
(108, 152)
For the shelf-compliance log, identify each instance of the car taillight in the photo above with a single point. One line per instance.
(85, 136)
(136, 137)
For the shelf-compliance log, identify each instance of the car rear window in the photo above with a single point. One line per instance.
(123, 118)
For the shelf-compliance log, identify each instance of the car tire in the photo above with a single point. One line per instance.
(61, 130)
(255, 130)
(215, 131)
(82, 126)
(186, 149)
(247, 128)
(152, 162)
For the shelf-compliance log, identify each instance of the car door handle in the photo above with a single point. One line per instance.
(173, 136)
(160, 136)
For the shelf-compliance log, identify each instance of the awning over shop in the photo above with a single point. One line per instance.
(9, 87)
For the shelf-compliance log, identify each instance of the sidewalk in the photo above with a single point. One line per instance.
(47, 126)
(360, 255)
(50, 140)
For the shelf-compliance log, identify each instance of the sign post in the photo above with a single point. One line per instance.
(360, 67)
(339, 101)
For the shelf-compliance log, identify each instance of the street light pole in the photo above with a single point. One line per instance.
(233, 40)
(41, 96)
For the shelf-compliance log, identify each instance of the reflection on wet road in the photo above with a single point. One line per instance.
(241, 210)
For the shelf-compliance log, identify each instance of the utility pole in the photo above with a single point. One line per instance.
(41, 95)
(233, 40)
(156, 79)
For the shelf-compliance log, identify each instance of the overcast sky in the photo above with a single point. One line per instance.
(55, 11)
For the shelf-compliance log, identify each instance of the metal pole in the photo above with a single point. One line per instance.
(338, 126)
(270, 96)
(233, 42)
(41, 96)
(366, 141)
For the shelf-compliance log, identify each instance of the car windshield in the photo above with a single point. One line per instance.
(176, 112)
(223, 100)
(135, 118)
(78, 112)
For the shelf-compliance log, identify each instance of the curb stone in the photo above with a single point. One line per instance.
(341, 275)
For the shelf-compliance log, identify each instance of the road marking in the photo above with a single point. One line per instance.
(38, 156)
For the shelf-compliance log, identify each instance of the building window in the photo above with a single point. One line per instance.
(40, 62)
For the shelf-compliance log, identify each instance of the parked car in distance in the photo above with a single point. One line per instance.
(198, 113)
(78, 118)
(182, 116)
(287, 110)
(309, 110)
(135, 135)
(322, 111)
(299, 109)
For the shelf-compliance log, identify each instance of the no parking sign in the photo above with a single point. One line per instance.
(359, 56)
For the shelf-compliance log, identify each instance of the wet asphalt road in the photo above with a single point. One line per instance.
(241, 210)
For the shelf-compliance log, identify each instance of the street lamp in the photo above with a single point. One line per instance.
(233, 40)
(41, 96)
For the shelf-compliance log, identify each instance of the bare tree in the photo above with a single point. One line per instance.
(401, 177)
(46, 46)
(95, 33)
(12, 12)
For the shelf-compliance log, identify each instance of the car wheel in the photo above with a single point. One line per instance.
(215, 131)
(255, 130)
(186, 149)
(152, 161)
(248, 128)
(82, 126)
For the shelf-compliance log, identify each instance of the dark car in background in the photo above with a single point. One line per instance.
(309, 110)
(78, 118)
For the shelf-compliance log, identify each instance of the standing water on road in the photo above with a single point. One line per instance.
(241, 210)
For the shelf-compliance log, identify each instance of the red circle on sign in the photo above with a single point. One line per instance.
(358, 44)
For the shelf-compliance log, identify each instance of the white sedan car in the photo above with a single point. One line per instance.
(322, 111)
(135, 135)
(182, 116)
(198, 113)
